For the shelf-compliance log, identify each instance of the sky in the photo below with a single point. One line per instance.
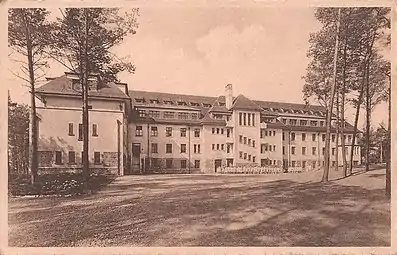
(261, 51)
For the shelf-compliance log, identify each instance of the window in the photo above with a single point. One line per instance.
(194, 116)
(183, 163)
(141, 113)
(283, 150)
(71, 131)
(313, 137)
(333, 138)
(213, 147)
(274, 133)
(349, 138)
(217, 131)
(323, 137)
(274, 147)
(196, 132)
(293, 150)
(58, 157)
(241, 154)
(313, 123)
(80, 132)
(245, 119)
(303, 150)
(155, 148)
(168, 115)
(263, 148)
(213, 130)
(249, 157)
(197, 164)
(217, 146)
(245, 155)
(265, 132)
(154, 114)
(168, 163)
(303, 164)
(183, 132)
(292, 136)
(154, 131)
(196, 148)
(333, 151)
(253, 159)
(284, 121)
(303, 137)
(168, 131)
(245, 140)
(253, 120)
(283, 136)
(168, 148)
(227, 132)
(72, 157)
(253, 143)
(249, 119)
(321, 123)
(293, 163)
(222, 130)
(138, 131)
(249, 141)
(303, 122)
(240, 119)
(183, 148)
(228, 148)
(97, 157)
(266, 147)
(183, 115)
(94, 130)
(313, 150)
(293, 122)
(222, 147)
(323, 150)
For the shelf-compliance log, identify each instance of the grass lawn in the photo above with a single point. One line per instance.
(211, 210)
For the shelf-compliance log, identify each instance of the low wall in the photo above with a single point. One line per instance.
(54, 170)
(260, 170)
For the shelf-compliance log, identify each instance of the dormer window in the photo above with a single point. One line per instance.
(207, 105)
(182, 103)
(154, 101)
(76, 85)
(194, 104)
(221, 104)
(140, 100)
(168, 102)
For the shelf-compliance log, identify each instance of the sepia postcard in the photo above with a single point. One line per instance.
(196, 127)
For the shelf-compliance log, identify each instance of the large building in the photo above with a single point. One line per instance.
(137, 131)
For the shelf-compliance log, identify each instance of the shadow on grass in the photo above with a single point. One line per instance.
(209, 211)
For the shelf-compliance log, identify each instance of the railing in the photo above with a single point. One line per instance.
(260, 170)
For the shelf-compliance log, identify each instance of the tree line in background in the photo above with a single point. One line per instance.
(348, 67)
(81, 40)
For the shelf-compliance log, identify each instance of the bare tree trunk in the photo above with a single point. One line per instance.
(337, 130)
(86, 163)
(368, 119)
(343, 110)
(388, 149)
(33, 114)
(330, 105)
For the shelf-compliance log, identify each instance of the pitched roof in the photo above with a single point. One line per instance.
(219, 105)
(63, 85)
(243, 103)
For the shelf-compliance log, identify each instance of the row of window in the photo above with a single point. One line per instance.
(169, 115)
(71, 130)
(169, 163)
(142, 100)
(267, 133)
(169, 149)
(314, 151)
(221, 131)
(323, 136)
(294, 122)
(168, 131)
(246, 119)
(268, 147)
(72, 157)
(246, 156)
(246, 140)
(221, 147)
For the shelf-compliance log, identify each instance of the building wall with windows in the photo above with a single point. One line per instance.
(138, 131)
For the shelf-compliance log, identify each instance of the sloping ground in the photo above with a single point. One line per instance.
(211, 210)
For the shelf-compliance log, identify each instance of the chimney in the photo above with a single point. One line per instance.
(229, 95)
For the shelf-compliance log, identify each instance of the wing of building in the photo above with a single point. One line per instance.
(135, 131)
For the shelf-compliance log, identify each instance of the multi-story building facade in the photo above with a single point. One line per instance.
(133, 131)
